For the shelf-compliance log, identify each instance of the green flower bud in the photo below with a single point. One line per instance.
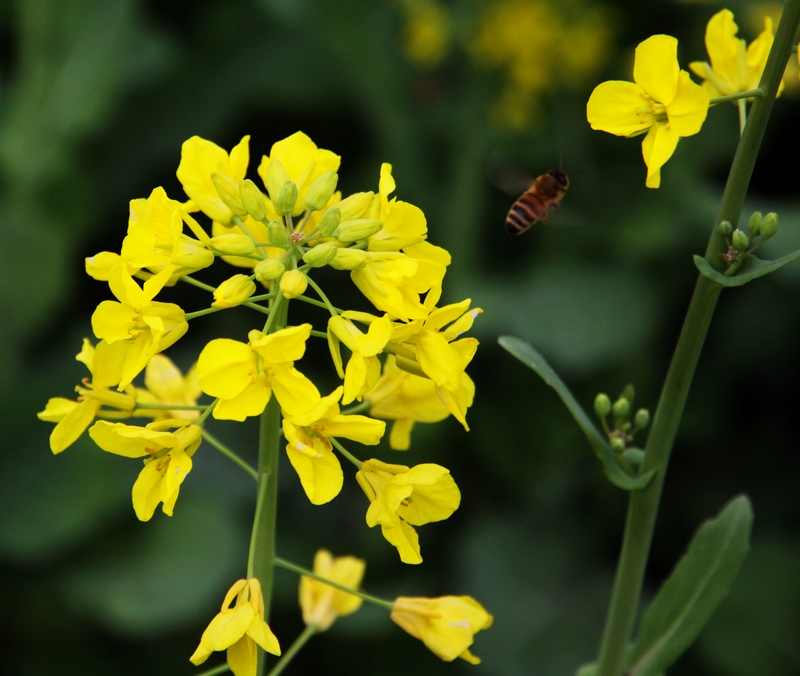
(642, 419)
(293, 283)
(287, 198)
(233, 291)
(276, 232)
(355, 206)
(769, 226)
(739, 240)
(635, 456)
(754, 224)
(617, 445)
(330, 222)
(357, 229)
(320, 255)
(233, 245)
(725, 228)
(228, 191)
(621, 409)
(269, 269)
(602, 405)
(275, 178)
(321, 190)
(253, 199)
(629, 393)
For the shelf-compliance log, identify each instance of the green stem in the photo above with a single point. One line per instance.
(643, 504)
(228, 453)
(288, 656)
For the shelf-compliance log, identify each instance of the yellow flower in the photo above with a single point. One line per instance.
(401, 498)
(244, 376)
(168, 459)
(199, 159)
(403, 224)
(664, 102)
(165, 384)
(734, 66)
(239, 630)
(143, 326)
(309, 448)
(320, 602)
(73, 417)
(427, 32)
(446, 625)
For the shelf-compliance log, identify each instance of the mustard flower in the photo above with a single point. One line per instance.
(446, 625)
(363, 368)
(244, 375)
(165, 384)
(168, 459)
(662, 101)
(142, 325)
(402, 497)
(321, 603)
(239, 630)
(309, 448)
(403, 224)
(72, 418)
(734, 66)
(199, 159)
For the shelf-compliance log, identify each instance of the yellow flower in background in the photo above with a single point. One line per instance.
(402, 497)
(168, 458)
(446, 625)
(199, 159)
(239, 630)
(165, 384)
(244, 375)
(143, 326)
(662, 101)
(321, 603)
(426, 38)
(734, 66)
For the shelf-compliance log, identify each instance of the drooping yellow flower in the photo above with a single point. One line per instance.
(402, 497)
(446, 625)
(168, 458)
(320, 602)
(239, 630)
(73, 417)
(734, 66)
(309, 447)
(662, 101)
(142, 325)
(199, 159)
(244, 375)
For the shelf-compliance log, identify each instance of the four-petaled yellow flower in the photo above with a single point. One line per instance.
(322, 603)
(239, 630)
(664, 102)
(446, 625)
(309, 447)
(168, 458)
(403, 224)
(734, 66)
(244, 376)
(165, 384)
(401, 498)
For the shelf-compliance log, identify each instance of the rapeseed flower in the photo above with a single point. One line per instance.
(321, 603)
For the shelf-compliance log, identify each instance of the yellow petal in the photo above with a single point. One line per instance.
(618, 108)
(689, 108)
(657, 148)
(320, 473)
(655, 67)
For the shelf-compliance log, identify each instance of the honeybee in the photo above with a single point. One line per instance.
(545, 193)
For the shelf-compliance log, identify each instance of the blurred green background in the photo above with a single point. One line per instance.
(96, 97)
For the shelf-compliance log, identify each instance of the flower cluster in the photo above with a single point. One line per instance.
(404, 359)
(664, 103)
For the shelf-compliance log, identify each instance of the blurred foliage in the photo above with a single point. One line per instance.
(96, 98)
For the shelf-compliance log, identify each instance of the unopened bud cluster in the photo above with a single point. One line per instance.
(741, 244)
(625, 422)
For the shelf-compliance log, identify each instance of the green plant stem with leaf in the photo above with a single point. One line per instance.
(644, 503)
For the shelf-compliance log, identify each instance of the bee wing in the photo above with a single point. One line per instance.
(504, 176)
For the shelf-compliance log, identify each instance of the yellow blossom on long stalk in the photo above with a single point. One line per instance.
(321, 603)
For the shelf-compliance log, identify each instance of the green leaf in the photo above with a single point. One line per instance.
(752, 268)
(535, 361)
(688, 598)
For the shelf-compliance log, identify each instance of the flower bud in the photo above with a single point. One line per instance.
(357, 229)
(233, 244)
(356, 205)
(275, 178)
(228, 191)
(253, 199)
(629, 393)
(602, 405)
(642, 419)
(617, 445)
(739, 240)
(269, 269)
(769, 226)
(725, 228)
(330, 221)
(621, 409)
(293, 283)
(754, 224)
(233, 291)
(287, 198)
(321, 190)
(320, 255)
(276, 233)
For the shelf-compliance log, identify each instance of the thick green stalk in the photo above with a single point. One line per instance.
(643, 505)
